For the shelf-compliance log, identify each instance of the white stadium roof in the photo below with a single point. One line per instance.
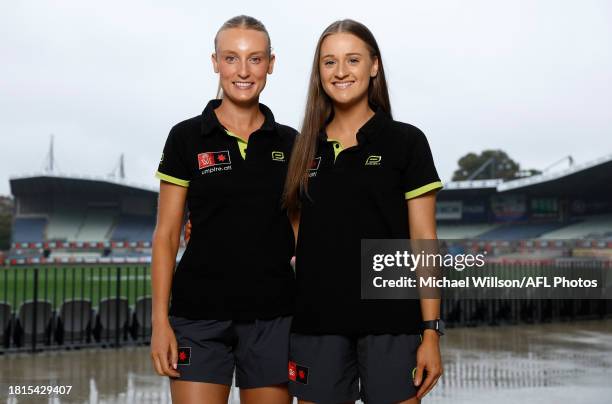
(109, 180)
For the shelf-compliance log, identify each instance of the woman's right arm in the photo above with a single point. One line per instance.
(166, 238)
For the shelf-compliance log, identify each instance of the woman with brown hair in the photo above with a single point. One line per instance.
(232, 293)
(355, 174)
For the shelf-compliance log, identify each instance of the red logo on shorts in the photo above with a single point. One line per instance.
(292, 371)
(298, 373)
(184, 355)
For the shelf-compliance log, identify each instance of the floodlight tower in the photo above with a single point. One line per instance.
(50, 160)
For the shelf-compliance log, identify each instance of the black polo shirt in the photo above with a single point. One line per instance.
(358, 193)
(237, 262)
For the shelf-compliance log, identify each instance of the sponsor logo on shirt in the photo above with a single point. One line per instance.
(298, 373)
(210, 159)
(214, 161)
(184, 355)
(314, 166)
(278, 156)
(373, 160)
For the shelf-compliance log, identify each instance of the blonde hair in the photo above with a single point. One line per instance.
(245, 22)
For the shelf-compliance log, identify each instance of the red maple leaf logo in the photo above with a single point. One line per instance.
(182, 355)
(301, 374)
(221, 158)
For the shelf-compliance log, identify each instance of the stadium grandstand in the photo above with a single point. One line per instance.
(66, 219)
(575, 203)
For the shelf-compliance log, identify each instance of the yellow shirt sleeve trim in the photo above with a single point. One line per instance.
(172, 180)
(423, 190)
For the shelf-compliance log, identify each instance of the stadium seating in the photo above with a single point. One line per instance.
(123, 253)
(596, 226)
(133, 228)
(533, 255)
(73, 255)
(97, 225)
(520, 231)
(6, 321)
(93, 225)
(64, 225)
(29, 230)
(24, 328)
(16, 254)
(463, 231)
(112, 319)
(74, 322)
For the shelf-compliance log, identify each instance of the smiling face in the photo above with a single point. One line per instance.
(243, 61)
(346, 67)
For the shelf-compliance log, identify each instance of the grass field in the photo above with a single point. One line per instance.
(57, 283)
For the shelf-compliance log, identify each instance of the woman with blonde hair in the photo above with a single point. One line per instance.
(232, 293)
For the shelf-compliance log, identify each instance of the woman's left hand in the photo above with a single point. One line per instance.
(429, 361)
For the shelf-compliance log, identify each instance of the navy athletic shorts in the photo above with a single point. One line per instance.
(210, 350)
(331, 369)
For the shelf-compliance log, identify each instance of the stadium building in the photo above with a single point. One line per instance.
(557, 216)
(570, 204)
(65, 219)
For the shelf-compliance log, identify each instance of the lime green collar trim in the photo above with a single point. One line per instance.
(337, 148)
(242, 145)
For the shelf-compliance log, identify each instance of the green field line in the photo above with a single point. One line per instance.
(59, 283)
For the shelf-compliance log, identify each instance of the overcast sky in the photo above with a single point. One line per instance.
(531, 77)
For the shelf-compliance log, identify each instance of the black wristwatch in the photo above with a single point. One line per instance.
(436, 325)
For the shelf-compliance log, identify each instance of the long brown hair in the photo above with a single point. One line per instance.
(246, 22)
(319, 109)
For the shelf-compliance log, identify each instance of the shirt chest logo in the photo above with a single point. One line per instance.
(314, 166)
(214, 161)
(278, 156)
(373, 160)
(210, 159)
